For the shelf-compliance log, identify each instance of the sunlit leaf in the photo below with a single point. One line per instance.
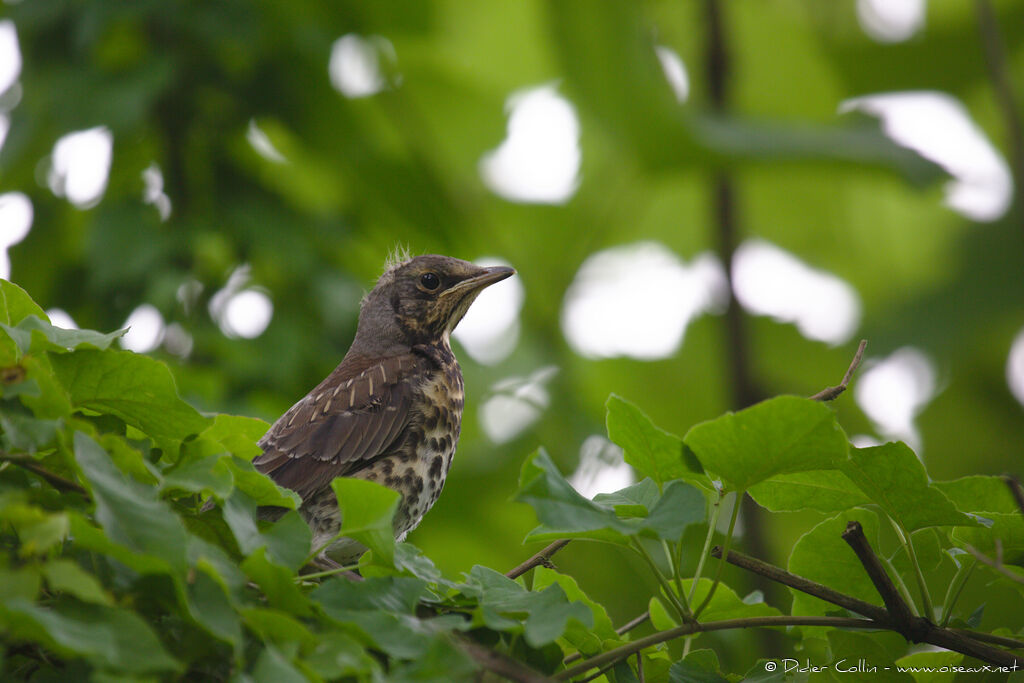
(777, 436)
(892, 477)
(367, 511)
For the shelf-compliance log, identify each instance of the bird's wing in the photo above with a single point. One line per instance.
(354, 415)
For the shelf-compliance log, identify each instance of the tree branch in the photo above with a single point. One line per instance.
(689, 629)
(832, 393)
(779, 575)
(55, 480)
(996, 563)
(542, 558)
(898, 609)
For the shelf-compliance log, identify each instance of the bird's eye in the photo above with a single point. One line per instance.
(430, 281)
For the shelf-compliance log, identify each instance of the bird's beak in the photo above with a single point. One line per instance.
(485, 278)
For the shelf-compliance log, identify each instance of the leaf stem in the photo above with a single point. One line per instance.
(712, 525)
(725, 553)
(681, 607)
(956, 586)
(926, 598)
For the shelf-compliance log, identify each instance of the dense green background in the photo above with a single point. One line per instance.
(177, 83)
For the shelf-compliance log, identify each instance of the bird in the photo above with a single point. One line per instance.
(390, 412)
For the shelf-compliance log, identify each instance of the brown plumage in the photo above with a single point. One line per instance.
(391, 411)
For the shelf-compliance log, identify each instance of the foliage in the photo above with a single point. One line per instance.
(113, 570)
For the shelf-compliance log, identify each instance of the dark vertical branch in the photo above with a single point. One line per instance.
(995, 61)
(743, 389)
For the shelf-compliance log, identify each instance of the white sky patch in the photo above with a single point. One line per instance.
(490, 330)
(80, 166)
(539, 160)
(262, 144)
(675, 72)
(602, 468)
(355, 64)
(146, 329)
(517, 403)
(153, 192)
(892, 391)
(636, 300)
(10, 55)
(15, 222)
(61, 318)
(891, 21)
(771, 281)
(1015, 367)
(240, 310)
(939, 128)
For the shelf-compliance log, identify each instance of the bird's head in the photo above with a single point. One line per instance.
(421, 300)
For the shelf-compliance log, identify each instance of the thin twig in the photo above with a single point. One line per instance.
(689, 629)
(622, 630)
(55, 480)
(996, 564)
(831, 393)
(779, 575)
(501, 664)
(542, 558)
(898, 609)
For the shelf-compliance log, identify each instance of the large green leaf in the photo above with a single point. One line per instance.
(777, 436)
(367, 514)
(137, 389)
(893, 478)
(15, 306)
(979, 494)
(651, 450)
(33, 334)
(106, 636)
(827, 491)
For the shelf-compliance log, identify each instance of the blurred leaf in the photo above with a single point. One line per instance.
(826, 491)
(15, 306)
(211, 608)
(272, 667)
(654, 452)
(778, 436)
(66, 576)
(130, 513)
(24, 433)
(137, 389)
(940, 664)
(35, 335)
(18, 584)
(725, 603)
(691, 672)
(367, 514)
(198, 476)
(106, 636)
(288, 540)
(853, 648)
(277, 583)
(893, 477)
(38, 530)
(258, 486)
(587, 640)
(1007, 529)
(238, 434)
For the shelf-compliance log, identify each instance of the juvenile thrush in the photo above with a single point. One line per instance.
(391, 411)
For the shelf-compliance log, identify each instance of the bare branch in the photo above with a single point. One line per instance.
(542, 558)
(831, 393)
(898, 609)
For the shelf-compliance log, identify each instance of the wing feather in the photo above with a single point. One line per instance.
(355, 415)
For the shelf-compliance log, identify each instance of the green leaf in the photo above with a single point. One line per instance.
(1007, 529)
(547, 612)
(129, 512)
(778, 436)
(66, 576)
(20, 584)
(24, 433)
(237, 434)
(258, 486)
(893, 478)
(35, 335)
(651, 450)
(367, 514)
(979, 494)
(828, 491)
(726, 603)
(88, 537)
(277, 583)
(661, 618)
(288, 540)
(564, 513)
(135, 388)
(38, 530)
(589, 641)
(15, 305)
(936, 667)
(201, 475)
(277, 627)
(823, 556)
(691, 672)
(336, 655)
(273, 667)
(107, 637)
(868, 654)
(211, 609)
